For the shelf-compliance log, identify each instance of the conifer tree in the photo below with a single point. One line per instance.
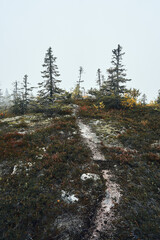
(25, 94)
(7, 98)
(144, 99)
(48, 88)
(158, 98)
(103, 79)
(117, 73)
(1, 99)
(133, 93)
(16, 98)
(76, 92)
(99, 78)
(110, 84)
(79, 81)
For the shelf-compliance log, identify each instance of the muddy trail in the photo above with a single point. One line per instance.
(104, 216)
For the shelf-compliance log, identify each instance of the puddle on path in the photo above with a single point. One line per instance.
(105, 213)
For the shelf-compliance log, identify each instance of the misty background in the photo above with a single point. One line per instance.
(81, 33)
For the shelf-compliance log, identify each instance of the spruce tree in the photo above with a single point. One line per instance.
(16, 98)
(79, 81)
(7, 98)
(144, 99)
(25, 94)
(48, 88)
(103, 79)
(133, 93)
(1, 99)
(110, 84)
(99, 78)
(158, 97)
(117, 73)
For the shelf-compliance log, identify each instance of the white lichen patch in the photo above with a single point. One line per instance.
(93, 176)
(68, 198)
(46, 121)
(28, 119)
(17, 169)
(11, 119)
(67, 116)
(22, 131)
(107, 132)
(39, 157)
(42, 151)
(102, 126)
(155, 144)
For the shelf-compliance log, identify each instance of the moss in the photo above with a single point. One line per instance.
(136, 168)
(31, 199)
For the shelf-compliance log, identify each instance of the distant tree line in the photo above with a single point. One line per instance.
(110, 90)
(22, 96)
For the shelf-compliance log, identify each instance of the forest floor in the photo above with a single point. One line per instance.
(52, 188)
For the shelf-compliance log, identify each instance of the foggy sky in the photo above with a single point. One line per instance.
(81, 33)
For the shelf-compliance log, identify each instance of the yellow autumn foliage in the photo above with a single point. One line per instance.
(99, 106)
(128, 102)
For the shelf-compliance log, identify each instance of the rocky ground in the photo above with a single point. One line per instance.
(44, 194)
(130, 142)
(54, 183)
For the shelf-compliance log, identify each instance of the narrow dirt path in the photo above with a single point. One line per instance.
(91, 140)
(105, 213)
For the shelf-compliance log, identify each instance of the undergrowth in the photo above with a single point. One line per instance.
(42, 158)
(135, 162)
(35, 168)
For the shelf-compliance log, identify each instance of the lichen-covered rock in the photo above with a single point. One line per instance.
(93, 176)
(68, 198)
